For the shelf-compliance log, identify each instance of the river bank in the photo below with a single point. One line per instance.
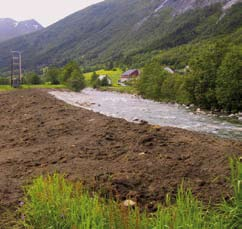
(134, 108)
(230, 117)
(40, 134)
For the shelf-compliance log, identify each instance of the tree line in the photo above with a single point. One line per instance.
(214, 80)
(69, 75)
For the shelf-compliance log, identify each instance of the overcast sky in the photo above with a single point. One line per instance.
(46, 12)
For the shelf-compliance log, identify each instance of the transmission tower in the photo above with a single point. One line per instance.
(16, 69)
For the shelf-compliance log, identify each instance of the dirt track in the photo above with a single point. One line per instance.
(39, 134)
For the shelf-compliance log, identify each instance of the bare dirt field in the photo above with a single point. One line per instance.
(39, 135)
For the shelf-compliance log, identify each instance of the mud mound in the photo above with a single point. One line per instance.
(39, 134)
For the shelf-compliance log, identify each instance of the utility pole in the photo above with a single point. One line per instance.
(16, 69)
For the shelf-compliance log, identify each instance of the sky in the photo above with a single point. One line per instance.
(46, 12)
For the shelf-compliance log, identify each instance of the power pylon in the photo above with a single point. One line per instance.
(16, 69)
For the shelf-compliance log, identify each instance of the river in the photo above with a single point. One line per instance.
(134, 108)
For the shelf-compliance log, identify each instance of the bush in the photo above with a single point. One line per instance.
(52, 75)
(67, 71)
(4, 81)
(76, 82)
(32, 78)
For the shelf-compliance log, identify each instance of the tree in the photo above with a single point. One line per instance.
(173, 89)
(94, 78)
(67, 71)
(204, 69)
(229, 82)
(150, 82)
(110, 65)
(4, 81)
(104, 81)
(52, 75)
(32, 78)
(76, 82)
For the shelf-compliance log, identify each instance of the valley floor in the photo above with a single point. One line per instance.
(40, 135)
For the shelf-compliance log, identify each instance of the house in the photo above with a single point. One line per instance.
(129, 75)
(102, 78)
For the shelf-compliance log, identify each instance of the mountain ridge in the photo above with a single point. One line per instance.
(112, 29)
(10, 28)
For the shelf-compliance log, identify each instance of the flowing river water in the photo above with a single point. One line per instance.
(134, 108)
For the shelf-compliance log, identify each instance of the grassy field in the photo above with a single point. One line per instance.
(115, 76)
(47, 86)
(53, 202)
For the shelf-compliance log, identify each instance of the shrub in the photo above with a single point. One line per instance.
(52, 75)
(76, 82)
(32, 78)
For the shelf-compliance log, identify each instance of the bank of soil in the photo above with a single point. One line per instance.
(39, 135)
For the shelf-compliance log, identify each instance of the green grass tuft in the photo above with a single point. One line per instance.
(54, 202)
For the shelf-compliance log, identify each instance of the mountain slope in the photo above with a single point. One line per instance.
(115, 29)
(10, 28)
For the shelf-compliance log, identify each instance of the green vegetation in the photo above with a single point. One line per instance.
(113, 74)
(46, 86)
(70, 76)
(53, 202)
(51, 75)
(4, 81)
(32, 78)
(6, 88)
(121, 89)
(113, 32)
(213, 80)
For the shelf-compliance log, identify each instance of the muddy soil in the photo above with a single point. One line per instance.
(39, 135)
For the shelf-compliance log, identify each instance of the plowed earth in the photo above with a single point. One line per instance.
(40, 135)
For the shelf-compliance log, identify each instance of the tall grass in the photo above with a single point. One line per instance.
(53, 202)
(232, 209)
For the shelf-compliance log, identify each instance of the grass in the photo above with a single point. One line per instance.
(6, 88)
(47, 86)
(54, 202)
(113, 74)
(121, 89)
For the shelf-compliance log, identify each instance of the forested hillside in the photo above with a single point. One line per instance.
(117, 30)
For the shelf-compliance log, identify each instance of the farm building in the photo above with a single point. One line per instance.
(129, 75)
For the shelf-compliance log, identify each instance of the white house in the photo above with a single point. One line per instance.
(101, 77)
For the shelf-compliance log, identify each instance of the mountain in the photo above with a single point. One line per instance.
(10, 28)
(115, 29)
